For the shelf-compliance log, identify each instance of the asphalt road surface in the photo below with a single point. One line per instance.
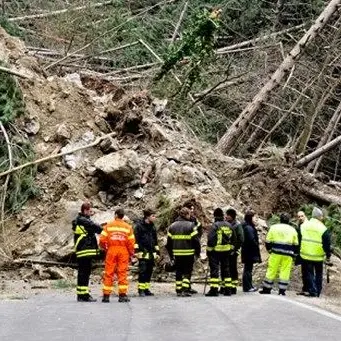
(248, 317)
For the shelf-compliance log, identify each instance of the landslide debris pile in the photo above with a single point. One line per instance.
(146, 147)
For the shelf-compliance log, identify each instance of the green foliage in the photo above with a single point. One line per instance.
(21, 186)
(197, 46)
(165, 212)
(10, 27)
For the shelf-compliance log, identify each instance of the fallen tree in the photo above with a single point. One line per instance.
(229, 140)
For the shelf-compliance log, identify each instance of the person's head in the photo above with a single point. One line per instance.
(301, 217)
(284, 218)
(119, 213)
(86, 209)
(317, 213)
(218, 214)
(149, 215)
(190, 205)
(185, 213)
(231, 215)
(249, 218)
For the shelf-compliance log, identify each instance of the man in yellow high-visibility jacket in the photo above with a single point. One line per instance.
(282, 243)
(315, 246)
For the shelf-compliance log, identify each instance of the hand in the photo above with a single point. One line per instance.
(133, 260)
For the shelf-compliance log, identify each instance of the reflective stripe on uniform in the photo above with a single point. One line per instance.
(141, 286)
(81, 290)
(222, 248)
(118, 229)
(214, 282)
(188, 252)
(186, 283)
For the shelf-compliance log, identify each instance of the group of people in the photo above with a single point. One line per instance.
(307, 244)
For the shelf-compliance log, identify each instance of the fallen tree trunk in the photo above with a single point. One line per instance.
(318, 152)
(50, 157)
(320, 195)
(229, 139)
(12, 72)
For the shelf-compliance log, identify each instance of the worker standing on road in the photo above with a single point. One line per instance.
(282, 243)
(250, 250)
(220, 242)
(230, 217)
(118, 240)
(315, 246)
(183, 245)
(146, 250)
(86, 249)
(301, 219)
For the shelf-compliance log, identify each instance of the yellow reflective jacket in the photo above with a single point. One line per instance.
(311, 243)
(282, 239)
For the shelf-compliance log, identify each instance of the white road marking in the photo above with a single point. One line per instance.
(309, 307)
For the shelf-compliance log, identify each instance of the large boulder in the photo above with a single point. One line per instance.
(122, 166)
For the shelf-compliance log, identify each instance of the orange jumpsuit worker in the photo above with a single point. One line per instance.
(117, 239)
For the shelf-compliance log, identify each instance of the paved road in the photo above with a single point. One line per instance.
(250, 317)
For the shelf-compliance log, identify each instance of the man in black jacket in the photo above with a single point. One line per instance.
(182, 245)
(86, 249)
(221, 240)
(231, 216)
(146, 249)
(250, 250)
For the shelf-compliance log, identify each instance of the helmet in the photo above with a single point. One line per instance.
(170, 267)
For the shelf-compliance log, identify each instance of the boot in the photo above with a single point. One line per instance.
(142, 293)
(212, 292)
(105, 299)
(281, 292)
(227, 292)
(122, 298)
(233, 291)
(147, 292)
(265, 291)
(186, 293)
(85, 298)
(221, 290)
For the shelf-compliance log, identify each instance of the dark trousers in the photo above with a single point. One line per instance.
(145, 273)
(313, 272)
(83, 276)
(219, 262)
(234, 269)
(247, 276)
(183, 271)
(305, 287)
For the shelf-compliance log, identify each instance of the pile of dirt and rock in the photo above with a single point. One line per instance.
(144, 159)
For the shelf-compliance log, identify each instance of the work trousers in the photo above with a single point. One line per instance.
(305, 287)
(83, 276)
(219, 261)
(247, 276)
(183, 271)
(313, 272)
(145, 273)
(116, 262)
(279, 266)
(234, 269)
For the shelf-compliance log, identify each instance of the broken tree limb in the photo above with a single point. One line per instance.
(318, 152)
(111, 30)
(228, 141)
(247, 43)
(326, 137)
(61, 11)
(12, 72)
(181, 18)
(50, 157)
(320, 195)
(5, 186)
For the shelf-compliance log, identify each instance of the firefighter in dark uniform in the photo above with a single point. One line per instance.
(221, 240)
(86, 249)
(230, 217)
(146, 250)
(183, 244)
